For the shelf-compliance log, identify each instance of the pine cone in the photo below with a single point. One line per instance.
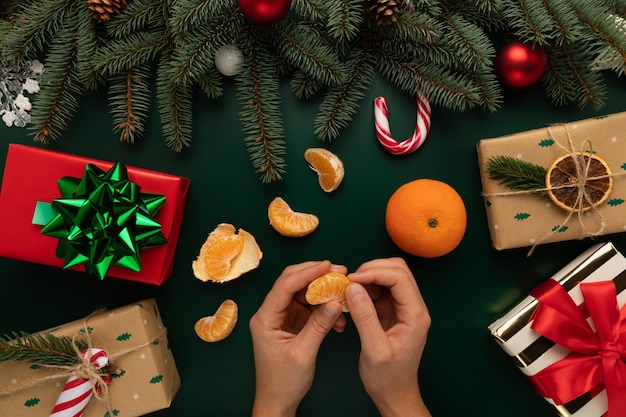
(383, 11)
(104, 10)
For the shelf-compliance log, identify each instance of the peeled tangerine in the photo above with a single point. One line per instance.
(329, 287)
(327, 165)
(218, 326)
(288, 222)
(226, 255)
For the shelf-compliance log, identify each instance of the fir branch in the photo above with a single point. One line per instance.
(304, 86)
(443, 87)
(138, 16)
(342, 102)
(488, 89)
(210, 83)
(310, 9)
(36, 22)
(129, 99)
(132, 51)
(87, 47)
(415, 28)
(570, 78)
(60, 86)
(175, 108)
(344, 20)
(473, 47)
(602, 23)
(529, 20)
(191, 59)
(516, 174)
(190, 15)
(258, 94)
(39, 348)
(304, 49)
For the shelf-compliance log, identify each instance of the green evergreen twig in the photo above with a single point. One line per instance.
(39, 348)
(445, 48)
(516, 174)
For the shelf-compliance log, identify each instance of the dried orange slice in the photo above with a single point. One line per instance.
(218, 326)
(226, 255)
(327, 165)
(563, 172)
(329, 287)
(288, 222)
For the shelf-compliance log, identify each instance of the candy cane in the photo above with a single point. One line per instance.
(78, 391)
(383, 133)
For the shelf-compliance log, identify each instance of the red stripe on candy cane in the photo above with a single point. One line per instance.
(78, 391)
(383, 132)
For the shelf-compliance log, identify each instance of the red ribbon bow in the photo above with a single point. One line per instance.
(597, 357)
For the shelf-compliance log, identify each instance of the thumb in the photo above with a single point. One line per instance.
(365, 317)
(319, 324)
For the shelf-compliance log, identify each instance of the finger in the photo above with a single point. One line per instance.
(293, 279)
(395, 275)
(317, 327)
(381, 263)
(340, 324)
(365, 318)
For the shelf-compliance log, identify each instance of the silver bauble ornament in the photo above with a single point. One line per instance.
(228, 60)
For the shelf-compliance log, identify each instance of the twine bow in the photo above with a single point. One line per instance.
(88, 367)
(85, 381)
(597, 357)
(583, 198)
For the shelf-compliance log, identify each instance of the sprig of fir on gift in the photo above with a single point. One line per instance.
(43, 349)
(333, 49)
(516, 174)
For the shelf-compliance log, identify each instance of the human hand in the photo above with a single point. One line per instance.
(286, 335)
(392, 326)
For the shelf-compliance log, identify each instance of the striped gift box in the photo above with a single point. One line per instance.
(532, 352)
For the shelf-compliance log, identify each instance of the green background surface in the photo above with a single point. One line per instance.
(464, 372)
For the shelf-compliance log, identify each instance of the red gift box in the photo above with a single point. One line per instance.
(30, 176)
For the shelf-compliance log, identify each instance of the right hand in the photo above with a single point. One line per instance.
(392, 328)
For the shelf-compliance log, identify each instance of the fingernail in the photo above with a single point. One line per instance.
(355, 292)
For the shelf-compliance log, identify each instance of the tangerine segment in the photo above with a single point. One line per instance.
(329, 287)
(226, 255)
(218, 326)
(288, 222)
(327, 165)
(426, 218)
(562, 181)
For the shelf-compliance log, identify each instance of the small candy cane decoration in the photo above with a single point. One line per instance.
(78, 391)
(383, 133)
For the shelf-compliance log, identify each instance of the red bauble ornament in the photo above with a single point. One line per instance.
(264, 12)
(520, 65)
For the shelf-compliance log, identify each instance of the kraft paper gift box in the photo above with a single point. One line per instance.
(525, 219)
(135, 339)
(534, 353)
(31, 175)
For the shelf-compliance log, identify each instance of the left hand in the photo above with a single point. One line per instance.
(286, 336)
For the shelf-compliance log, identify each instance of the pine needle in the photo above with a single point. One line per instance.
(39, 348)
(516, 174)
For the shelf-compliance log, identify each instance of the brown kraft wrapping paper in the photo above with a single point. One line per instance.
(526, 219)
(135, 339)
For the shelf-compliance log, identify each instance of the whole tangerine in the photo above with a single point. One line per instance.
(426, 218)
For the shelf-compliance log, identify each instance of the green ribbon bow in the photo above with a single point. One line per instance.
(103, 220)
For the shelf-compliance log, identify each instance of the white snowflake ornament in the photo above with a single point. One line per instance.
(15, 80)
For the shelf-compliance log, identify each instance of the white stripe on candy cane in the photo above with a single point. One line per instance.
(78, 391)
(383, 132)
